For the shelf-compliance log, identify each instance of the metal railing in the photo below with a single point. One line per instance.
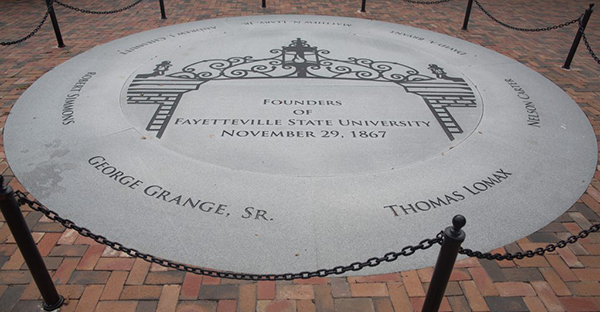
(50, 12)
(33, 32)
(582, 20)
(450, 240)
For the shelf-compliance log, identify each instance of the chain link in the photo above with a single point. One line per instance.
(6, 43)
(587, 44)
(427, 2)
(530, 253)
(98, 12)
(527, 29)
(356, 266)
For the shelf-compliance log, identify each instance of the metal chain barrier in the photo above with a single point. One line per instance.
(587, 44)
(356, 266)
(578, 19)
(6, 43)
(98, 12)
(530, 253)
(427, 2)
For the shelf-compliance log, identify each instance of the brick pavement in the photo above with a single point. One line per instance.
(94, 278)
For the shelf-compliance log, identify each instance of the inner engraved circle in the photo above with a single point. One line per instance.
(299, 109)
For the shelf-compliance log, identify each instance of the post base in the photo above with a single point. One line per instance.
(55, 306)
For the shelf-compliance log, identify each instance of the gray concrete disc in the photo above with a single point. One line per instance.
(274, 144)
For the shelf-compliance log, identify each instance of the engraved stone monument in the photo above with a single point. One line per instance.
(274, 144)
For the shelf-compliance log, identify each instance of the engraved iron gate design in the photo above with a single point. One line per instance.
(299, 60)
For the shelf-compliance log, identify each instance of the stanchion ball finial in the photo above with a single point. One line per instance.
(458, 222)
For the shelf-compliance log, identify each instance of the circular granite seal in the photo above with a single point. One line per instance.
(274, 144)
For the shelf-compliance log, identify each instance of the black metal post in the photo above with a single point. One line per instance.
(59, 39)
(467, 15)
(453, 238)
(264, 4)
(163, 15)
(35, 263)
(580, 30)
(363, 7)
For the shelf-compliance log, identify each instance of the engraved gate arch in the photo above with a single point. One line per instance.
(299, 60)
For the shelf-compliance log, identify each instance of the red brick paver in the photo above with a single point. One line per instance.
(94, 278)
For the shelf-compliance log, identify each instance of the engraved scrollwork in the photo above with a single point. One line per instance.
(301, 60)
(366, 69)
(236, 68)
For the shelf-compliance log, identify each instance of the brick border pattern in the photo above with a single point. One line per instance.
(94, 278)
